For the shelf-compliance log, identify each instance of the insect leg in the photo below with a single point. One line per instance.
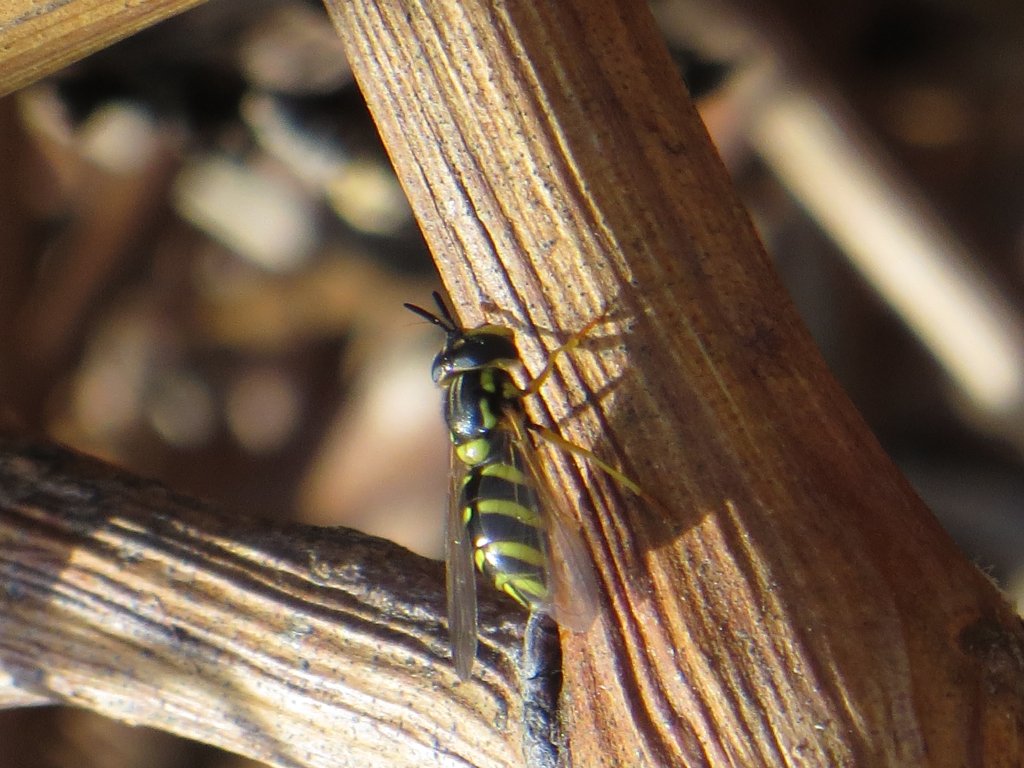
(556, 439)
(568, 346)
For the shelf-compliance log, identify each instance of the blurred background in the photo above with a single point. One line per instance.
(205, 253)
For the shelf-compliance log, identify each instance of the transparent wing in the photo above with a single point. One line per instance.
(570, 571)
(460, 577)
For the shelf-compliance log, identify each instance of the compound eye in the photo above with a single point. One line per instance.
(471, 354)
(439, 368)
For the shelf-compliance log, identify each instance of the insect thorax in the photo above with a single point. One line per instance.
(475, 405)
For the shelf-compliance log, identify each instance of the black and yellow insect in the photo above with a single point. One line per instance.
(502, 516)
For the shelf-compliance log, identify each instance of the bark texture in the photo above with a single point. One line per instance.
(790, 601)
(787, 601)
(297, 646)
(38, 38)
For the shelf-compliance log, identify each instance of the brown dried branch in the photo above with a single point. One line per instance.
(37, 39)
(293, 645)
(794, 602)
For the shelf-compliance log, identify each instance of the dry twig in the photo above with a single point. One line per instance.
(793, 603)
(294, 645)
(37, 39)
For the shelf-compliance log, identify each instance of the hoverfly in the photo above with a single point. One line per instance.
(502, 516)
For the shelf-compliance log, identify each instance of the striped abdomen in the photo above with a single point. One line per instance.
(498, 502)
(501, 512)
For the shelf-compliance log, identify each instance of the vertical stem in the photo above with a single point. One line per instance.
(794, 602)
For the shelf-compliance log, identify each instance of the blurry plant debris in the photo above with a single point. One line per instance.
(206, 254)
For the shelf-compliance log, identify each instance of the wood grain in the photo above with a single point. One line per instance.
(294, 645)
(38, 38)
(793, 602)
(788, 602)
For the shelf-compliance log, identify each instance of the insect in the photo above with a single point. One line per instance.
(502, 517)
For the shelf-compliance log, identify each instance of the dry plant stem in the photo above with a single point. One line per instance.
(38, 38)
(795, 603)
(296, 646)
